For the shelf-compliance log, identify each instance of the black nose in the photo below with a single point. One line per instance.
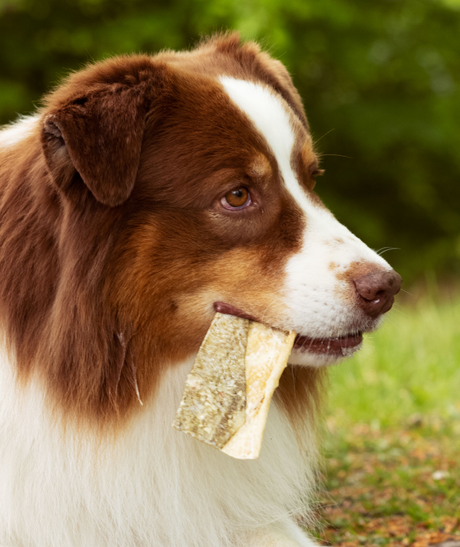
(376, 291)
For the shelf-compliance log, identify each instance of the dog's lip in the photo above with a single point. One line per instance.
(333, 345)
(228, 309)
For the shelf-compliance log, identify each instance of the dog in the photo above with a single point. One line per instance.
(147, 193)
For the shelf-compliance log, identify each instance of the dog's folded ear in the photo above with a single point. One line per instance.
(99, 136)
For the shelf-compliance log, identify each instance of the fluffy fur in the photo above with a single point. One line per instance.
(116, 242)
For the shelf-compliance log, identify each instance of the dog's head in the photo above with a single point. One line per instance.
(187, 185)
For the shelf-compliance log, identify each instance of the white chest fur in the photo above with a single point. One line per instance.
(151, 486)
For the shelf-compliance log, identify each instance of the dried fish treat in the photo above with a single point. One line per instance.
(214, 399)
(228, 391)
(267, 355)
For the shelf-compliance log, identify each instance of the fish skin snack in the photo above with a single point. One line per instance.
(228, 392)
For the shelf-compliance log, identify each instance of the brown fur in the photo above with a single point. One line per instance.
(113, 243)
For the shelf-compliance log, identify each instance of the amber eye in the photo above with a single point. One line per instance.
(236, 199)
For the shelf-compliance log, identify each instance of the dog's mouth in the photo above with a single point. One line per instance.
(340, 346)
(336, 346)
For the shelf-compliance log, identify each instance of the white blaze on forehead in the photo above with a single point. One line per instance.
(268, 114)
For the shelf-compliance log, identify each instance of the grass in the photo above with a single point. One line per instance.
(410, 366)
(392, 471)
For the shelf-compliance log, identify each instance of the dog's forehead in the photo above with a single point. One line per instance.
(271, 117)
(268, 112)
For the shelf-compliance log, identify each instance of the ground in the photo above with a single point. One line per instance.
(397, 487)
(392, 435)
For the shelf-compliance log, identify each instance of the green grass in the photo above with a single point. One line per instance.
(392, 439)
(411, 366)
(392, 487)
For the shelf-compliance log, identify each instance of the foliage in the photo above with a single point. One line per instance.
(379, 80)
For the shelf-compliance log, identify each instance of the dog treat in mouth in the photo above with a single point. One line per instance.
(228, 391)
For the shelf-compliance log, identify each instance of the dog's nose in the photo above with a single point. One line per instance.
(376, 291)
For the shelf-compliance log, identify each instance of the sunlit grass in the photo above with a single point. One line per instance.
(391, 445)
(410, 366)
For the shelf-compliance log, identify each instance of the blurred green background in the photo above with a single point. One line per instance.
(379, 80)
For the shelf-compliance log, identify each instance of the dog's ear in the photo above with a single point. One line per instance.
(99, 135)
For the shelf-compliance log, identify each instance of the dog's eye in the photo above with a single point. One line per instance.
(236, 199)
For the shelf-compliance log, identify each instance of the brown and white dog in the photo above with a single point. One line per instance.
(147, 193)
